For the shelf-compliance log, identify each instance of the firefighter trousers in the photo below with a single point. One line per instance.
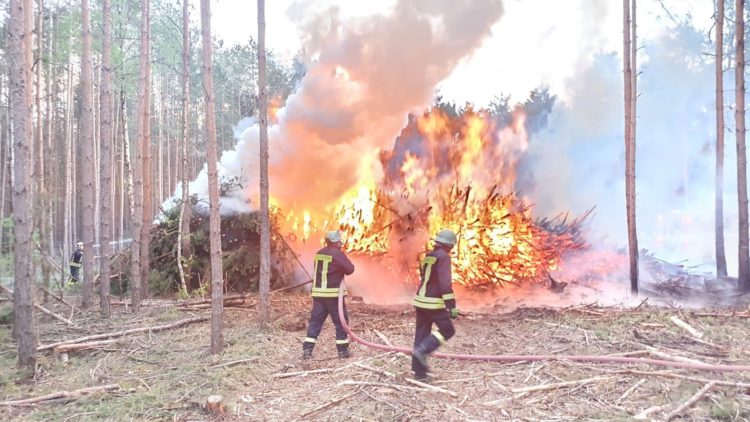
(322, 308)
(428, 340)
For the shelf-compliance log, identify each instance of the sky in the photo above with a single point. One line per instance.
(535, 42)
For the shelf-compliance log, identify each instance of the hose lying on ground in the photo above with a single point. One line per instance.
(535, 358)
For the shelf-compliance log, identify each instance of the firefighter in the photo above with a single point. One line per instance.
(330, 266)
(434, 302)
(75, 263)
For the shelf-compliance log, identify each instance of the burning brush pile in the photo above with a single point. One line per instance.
(453, 171)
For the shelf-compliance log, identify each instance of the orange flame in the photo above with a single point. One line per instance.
(460, 177)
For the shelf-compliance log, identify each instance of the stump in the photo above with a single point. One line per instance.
(215, 405)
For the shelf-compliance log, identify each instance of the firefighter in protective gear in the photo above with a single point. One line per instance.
(434, 302)
(75, 263)
(330, 266)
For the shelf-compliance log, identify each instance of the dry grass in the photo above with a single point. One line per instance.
(168, 375)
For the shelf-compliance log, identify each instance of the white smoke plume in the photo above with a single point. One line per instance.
(364, 77)
(578, 161)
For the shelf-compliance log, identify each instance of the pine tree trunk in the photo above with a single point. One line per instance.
(744, 257)
(105, 186)
(145, 141)
(264, 309)
(87, 166)
(50, 156)
(183, 241)
(140, 169)
(68, 168)
(127, 167)
(628, 53)
(20, 101)
(39, 174)
(721, 259)
(217, 282)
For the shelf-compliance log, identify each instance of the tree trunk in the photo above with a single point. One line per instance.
(69, 170)
(628, 53)
(40, 196)
(217, 282)
(148, 178)
(739, 74)
(129, 195)
(721, 259)
(140, 168)
(105, 186)
(264, 309)
(20, 101)
(183, 241)
(87, 166)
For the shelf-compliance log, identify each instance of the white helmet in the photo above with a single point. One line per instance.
(79, 244)
(446, 237)
(334, 236)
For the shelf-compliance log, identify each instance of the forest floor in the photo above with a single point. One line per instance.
(167, 375)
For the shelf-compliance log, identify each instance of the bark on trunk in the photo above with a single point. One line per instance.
(139, 165)
(264, 309)
(628, 54)
(145, 142)
(105, 186)
(183, 241)
(217, 283)
(721, 259)
(87, 166)
(20, 98)
(739, 75)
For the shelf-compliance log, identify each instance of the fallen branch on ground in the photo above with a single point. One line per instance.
(303, 373)
(659, 354)
(125, 332)
(630, 390)
(83, 346)
(59, 299)
(432, 387)
(376, 370)
(691, 401)
(62, 395)
(330, 403)
(234, 362)
(227, 298)
(557, 385)
(653, 409)
(685, 326)
(38, 306)
(382, 337)
(684, 377)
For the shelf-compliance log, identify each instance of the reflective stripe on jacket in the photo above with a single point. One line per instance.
(435, 290)
(330, 265)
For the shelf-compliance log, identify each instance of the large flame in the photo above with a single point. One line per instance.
(456, 172)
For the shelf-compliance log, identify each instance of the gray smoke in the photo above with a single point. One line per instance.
(364, 77)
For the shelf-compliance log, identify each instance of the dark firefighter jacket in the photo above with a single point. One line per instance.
(435, 290)
(330, 266)
(75, 260)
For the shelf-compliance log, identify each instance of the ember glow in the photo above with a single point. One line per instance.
(453, 172)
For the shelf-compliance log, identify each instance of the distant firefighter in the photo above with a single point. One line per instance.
(330, 267)
(75, 263)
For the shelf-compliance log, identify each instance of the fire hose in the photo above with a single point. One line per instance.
(536, 358)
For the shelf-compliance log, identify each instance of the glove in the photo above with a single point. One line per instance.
(454, 313)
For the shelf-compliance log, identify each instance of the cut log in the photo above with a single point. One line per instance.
(62, 395)
(125, 332)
